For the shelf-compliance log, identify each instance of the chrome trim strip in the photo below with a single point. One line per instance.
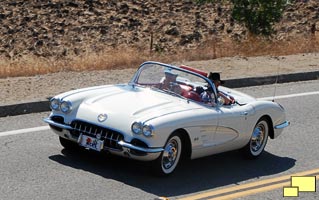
(282, 125)
(146, 150)
(49, 121)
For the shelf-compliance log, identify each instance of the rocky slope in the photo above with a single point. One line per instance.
(58, 28)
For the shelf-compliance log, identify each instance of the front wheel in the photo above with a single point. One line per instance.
(167, 162)
(258, 140)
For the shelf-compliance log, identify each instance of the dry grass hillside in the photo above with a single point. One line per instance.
(42, 36)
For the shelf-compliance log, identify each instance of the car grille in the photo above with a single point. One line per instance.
(109, 136)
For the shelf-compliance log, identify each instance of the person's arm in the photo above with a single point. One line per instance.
(228, 99)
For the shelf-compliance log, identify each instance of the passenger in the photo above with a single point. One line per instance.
(215, 78)
(169, 82)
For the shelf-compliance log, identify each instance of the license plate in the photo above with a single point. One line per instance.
(91, 143)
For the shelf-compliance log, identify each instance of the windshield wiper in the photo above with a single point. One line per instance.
(136, 85)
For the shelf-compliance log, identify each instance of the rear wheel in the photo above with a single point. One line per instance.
(258, 140)
(167, 162)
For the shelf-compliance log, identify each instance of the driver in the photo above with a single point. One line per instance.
(169, 82)
(215, 78)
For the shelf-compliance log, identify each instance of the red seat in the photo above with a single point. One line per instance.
(186, 88)
(187, 92)
(191, 95)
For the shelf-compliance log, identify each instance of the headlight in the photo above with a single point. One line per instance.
(54, 104)
(147, 130)
(137, 127)
(66, 106)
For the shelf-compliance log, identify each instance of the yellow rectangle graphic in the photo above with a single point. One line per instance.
(304, 183)
(291, 192)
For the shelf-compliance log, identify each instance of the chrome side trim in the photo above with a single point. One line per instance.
(282, 125)
(64, 126)
(146, 150)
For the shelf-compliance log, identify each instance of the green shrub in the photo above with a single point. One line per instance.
(258, 16)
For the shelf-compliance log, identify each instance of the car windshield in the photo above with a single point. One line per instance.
(175, 81)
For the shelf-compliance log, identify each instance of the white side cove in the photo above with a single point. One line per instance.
(44, 128)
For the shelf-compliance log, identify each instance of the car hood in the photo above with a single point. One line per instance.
(125, 102)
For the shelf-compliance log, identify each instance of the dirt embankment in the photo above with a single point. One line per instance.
(60, 28)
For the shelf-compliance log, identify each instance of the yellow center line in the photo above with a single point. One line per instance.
(255, 191)
(252, 191)
(253, 186)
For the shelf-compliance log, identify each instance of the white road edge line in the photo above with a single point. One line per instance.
(43, 128)
(27, 130)
(289, 96)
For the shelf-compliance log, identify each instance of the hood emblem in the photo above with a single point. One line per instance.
(102, 117)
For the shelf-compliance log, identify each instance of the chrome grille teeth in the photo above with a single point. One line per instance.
(101, 133)
(110, 137)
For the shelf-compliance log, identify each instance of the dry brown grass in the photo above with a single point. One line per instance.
(32, 65)
(254, 46)
(132, 57)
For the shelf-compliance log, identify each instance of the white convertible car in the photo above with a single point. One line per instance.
(162, 117)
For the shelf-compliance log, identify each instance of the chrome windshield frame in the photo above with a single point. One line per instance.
(133, 81)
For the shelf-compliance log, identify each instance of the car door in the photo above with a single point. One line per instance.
(232, 129)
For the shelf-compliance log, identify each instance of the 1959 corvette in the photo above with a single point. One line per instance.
(161, 116)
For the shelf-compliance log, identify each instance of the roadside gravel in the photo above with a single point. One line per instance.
(36, 88)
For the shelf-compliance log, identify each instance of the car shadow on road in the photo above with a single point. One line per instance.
(192, 176)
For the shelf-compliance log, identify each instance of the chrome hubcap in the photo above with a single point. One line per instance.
(170, 154)
(257, 138)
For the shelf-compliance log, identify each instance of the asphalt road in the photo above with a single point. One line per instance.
(35, 166)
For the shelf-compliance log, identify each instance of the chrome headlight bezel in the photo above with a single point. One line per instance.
(55, 104)
(148, 130)
(137, 128)
(66, 106)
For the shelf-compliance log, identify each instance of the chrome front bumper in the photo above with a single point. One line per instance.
(145, 150)
(53, 123)
(129, 150)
